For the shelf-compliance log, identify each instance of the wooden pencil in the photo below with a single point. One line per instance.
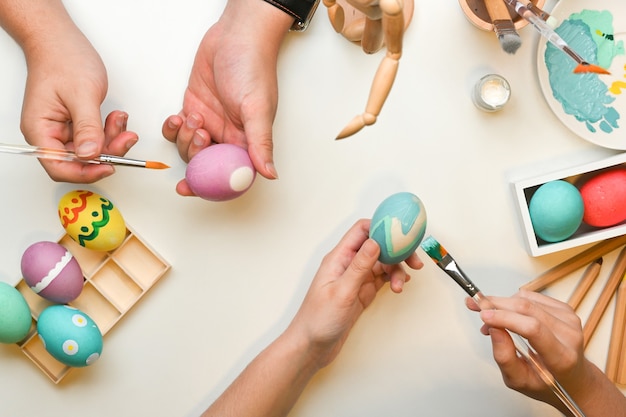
(617, 333)
(617, 273)
(586, 281)
(621, 368)
(572, 264)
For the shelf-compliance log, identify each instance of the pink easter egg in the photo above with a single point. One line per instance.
(604, 198)
(51, 271)
(220, 172)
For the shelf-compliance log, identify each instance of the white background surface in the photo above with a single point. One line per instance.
(241, 268)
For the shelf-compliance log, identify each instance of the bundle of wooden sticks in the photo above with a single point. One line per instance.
(615, 286)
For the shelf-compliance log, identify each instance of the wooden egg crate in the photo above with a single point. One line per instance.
(114, 282)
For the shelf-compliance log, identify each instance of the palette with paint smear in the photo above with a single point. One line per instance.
(592, 106)
(114, 282)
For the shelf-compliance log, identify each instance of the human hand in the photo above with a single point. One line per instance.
(346, 283)
(232, 94)
(551, 327)
(65, 86)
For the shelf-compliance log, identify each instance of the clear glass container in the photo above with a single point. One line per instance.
(491, 93)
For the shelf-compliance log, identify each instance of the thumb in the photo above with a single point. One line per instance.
(260, 144)
(88, 132)
(360, 269)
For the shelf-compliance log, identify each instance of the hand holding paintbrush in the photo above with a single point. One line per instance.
(446, 262)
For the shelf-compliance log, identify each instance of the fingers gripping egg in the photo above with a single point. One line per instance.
(91, 220)
(398, 226)
(69, 335)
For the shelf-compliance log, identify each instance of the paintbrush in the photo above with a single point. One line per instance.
(64, 155)
(551, 36)
(503, 26)
(445, 261)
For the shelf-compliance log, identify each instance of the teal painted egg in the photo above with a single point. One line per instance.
(556, 210)
(15, 318)
(398, 226)
(69, 335)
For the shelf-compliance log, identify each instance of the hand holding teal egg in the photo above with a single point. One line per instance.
(398, 226)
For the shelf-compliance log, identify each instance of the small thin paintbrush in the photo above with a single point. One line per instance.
(551, 36)
(64, 155)
(445, 261)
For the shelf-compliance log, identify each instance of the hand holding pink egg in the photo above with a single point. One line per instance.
(220, 172)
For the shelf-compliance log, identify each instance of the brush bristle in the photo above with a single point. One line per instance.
(433, 249)
(510, 42)
(590, 68)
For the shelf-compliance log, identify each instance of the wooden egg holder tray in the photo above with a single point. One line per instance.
(114, 282)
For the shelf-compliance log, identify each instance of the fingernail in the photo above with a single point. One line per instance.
(193, 122)
(122, 120)
(130, 143)
(172, 125)
(198, 138)
(272, 170)
(487, 314)
(87, 149)
(370, 247)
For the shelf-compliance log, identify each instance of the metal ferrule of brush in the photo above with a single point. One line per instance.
(454, 271)
(504, 26)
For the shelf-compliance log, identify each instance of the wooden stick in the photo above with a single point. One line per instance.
(617, 333)
(621, 368)
(587, 280)
(578, 261)
(605, 296)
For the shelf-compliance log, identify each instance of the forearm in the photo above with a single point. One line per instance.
(33, 22)
(596, 395)
(258, 19)
(271, 384)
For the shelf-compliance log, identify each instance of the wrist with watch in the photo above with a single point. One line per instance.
(301, 10)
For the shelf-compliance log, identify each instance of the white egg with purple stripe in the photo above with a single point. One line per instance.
(220, 172)
(69, 335)
(51, 271)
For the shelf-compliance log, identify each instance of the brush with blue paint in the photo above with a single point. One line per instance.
(446, 262)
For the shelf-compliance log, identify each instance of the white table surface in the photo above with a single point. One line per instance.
(241, 268)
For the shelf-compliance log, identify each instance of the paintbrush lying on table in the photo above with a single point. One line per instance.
(445, 261)
(551, 36)
(64, 155)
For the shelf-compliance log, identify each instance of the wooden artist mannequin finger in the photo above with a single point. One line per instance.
(372, 24)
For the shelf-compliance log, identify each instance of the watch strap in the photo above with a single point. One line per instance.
(301, 10)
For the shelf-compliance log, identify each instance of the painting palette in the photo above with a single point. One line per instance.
(592, 106)
(114, 282)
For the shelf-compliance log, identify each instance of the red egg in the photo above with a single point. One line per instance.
(604, 198)
(51, 271)
(220, 172)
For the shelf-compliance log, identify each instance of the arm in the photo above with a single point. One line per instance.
(65, 87)
(346, 283)
(554, 330)
(232, 93)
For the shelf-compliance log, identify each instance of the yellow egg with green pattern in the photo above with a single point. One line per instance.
(92, 220)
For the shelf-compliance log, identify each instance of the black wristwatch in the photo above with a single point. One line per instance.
(301, 10)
